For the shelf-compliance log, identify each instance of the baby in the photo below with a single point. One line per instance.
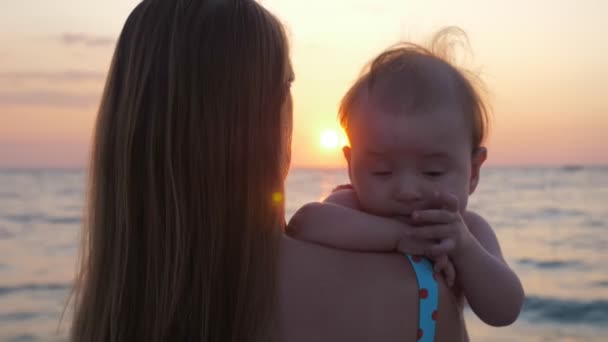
(416, 125)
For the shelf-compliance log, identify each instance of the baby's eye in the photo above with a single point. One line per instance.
(434, 173)
(382, 173)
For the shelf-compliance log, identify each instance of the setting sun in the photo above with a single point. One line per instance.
(331, 139)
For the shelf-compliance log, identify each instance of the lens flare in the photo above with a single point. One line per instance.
(277, 197)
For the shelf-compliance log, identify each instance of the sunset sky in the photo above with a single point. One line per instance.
(545, 63)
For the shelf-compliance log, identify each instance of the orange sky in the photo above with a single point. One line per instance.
(544, 62)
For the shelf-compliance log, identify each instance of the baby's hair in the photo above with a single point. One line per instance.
(407, 73)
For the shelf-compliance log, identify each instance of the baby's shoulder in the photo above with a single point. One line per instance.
(475, 222)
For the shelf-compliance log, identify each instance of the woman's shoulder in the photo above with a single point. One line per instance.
(341, 295)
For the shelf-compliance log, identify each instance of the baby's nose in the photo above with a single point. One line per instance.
(408, 190)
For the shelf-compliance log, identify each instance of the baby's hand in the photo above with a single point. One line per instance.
(442, 264)
(445, 226)
(445, 266)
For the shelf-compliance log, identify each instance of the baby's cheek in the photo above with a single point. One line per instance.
(463, 203)
(375, 201)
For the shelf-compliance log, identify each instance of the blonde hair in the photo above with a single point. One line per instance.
(405, 67)
(181, 233)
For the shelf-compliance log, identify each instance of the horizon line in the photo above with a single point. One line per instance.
(309, 167)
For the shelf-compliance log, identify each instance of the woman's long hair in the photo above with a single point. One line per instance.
(183, 219)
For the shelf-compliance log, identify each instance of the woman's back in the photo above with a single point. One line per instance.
(334, 295)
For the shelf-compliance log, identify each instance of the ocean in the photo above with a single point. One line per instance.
(552, 223)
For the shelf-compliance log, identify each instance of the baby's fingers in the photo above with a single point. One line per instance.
(434, 216)
(438, 232)
(439, 263)
(445, 247)
(450, 273)
(412, 246)
(447, 201)
(445, 266)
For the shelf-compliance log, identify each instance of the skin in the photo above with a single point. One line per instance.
(418, 168)
(329, 294)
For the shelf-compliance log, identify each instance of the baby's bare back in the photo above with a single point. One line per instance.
(334, 295)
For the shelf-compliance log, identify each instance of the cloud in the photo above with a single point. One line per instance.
(86, 40)
(65, 76)
(14, 93)
(44, 98)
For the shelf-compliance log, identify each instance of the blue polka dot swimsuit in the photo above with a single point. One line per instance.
(428, 297)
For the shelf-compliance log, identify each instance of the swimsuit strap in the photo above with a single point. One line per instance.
(428, 297)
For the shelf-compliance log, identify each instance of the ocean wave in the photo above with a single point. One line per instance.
(594, 223)
(566, 310)
(40, 218)
(24, 338)
(550, 263)
(34, 288)
(5, 234)
(572, 168)
(18, 316)
(8, 195)
(545, 215)
(551, 212)
(24, 218)
(601, 283)
(63, 220)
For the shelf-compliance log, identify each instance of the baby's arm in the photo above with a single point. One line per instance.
(491, 288)
(337, 223)
(342, 227)
(345, 196)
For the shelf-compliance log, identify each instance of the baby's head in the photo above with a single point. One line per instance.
(416, 125)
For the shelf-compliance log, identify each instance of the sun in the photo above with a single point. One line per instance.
(331, 139)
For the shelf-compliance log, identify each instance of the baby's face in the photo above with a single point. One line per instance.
(399, 160)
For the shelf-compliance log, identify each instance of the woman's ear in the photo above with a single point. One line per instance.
(346, 150)
(477, 159)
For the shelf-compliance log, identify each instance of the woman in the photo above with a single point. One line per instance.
(183, 236)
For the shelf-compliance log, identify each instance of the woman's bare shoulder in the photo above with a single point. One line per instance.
(310, 260)
(342, 295)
